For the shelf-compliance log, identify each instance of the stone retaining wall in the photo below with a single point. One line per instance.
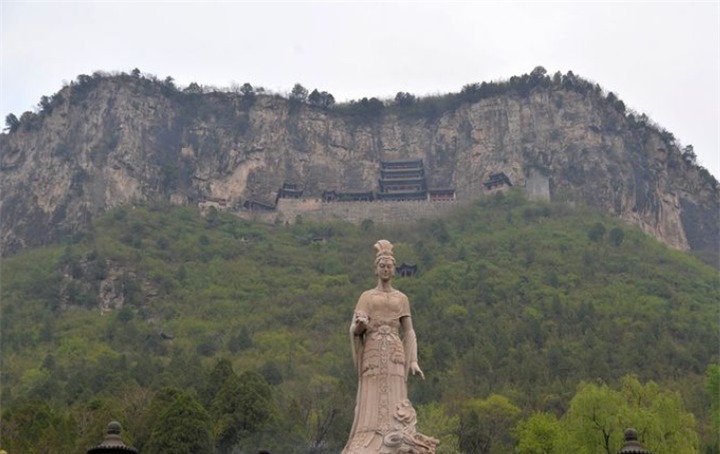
(383, 212)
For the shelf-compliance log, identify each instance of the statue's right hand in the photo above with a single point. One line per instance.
(360, 322)
(361, 317)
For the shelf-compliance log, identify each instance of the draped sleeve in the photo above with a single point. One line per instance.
(404, 306)
(356, 341)
(362, 304)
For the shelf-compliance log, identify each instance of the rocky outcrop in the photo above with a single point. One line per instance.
(110, 141)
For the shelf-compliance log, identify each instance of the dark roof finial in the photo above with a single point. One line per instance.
(112, 444)
(114, 428)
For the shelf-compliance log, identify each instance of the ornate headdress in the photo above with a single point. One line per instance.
(384, 250)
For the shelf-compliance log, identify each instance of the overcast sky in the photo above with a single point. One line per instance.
(660, 58)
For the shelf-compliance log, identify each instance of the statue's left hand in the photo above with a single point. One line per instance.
(415, 369)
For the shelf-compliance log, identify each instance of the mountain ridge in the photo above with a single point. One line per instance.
(105, 141)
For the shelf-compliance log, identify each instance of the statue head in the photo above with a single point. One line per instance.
(383, 249)
(384, 260)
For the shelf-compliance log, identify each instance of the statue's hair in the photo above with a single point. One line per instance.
(384, 250)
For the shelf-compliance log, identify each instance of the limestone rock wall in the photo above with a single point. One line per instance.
(120, 140)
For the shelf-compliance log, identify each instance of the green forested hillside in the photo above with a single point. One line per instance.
(523, 311)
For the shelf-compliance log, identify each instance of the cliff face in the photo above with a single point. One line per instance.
(119, 140)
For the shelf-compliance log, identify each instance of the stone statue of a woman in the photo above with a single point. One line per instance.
(385, 353)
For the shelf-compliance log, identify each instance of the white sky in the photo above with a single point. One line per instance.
(660, 58)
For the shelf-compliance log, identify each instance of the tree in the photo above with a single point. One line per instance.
(326, 99)
(11, 123)
(471, 92)
(592, 422)
(298, 93)
(538, 72)
(371, 107)
(616, 236)
(217, 377)
(660, 416)
(598, 417)
(183, 427)
(36, 427)
(314, 99)
(321, 99)
(375, 106)
(688, 155)
(712, 386)
(469, 434)
(486, 425)
(45, 105)
(539, 434)
(620, 106)
(159, 402)
(271, 373)
(433, 419)
(240, 341)
(404, 99)
(596, 232)
(569, 80)
(241, 407)
(193, 88)
(248, 93)
(538, 76)
(169, 83)
(247, 89)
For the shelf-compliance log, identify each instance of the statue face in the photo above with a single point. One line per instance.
(385, 269)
